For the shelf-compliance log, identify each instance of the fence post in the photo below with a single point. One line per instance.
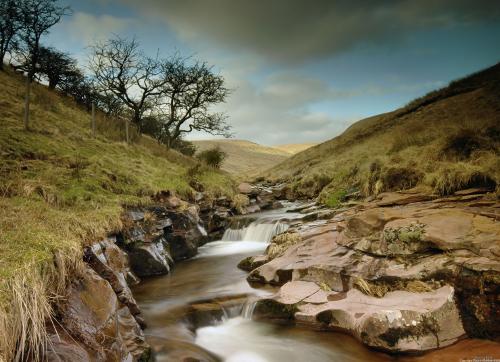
(127, 138)
(93, 120)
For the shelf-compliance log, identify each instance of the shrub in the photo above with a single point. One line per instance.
(185, 147)
(212, 157)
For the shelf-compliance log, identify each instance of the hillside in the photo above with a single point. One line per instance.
(245, 158)
(445, 141)
(294, 148)
(60, 189)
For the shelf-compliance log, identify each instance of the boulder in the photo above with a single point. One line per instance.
(111, 263)
(94, 316)
(399, 322)
(150, 258)
(245, 188)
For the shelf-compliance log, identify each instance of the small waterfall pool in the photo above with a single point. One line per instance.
(234, 336)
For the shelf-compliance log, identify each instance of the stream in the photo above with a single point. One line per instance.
(234, 336)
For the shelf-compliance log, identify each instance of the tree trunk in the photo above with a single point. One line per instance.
(93, 120)
(27, 101)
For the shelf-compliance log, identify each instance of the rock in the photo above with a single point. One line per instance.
(111, 263)
(252, 262)
(250, 209)
(186, 235)
(150, 259)
(415, 247)
(173, 202)
(402, 198)
(399, 322)
(63, 348)
(94, 316)
(245, 188)
(473, 191)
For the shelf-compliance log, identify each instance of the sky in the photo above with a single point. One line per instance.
(302, 70)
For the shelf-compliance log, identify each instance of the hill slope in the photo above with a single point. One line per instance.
(245, 158)
(60, 188)
(447, 140)
(294, 148)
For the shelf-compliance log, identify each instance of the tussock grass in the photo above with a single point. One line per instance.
(61, 189)
(445, 141)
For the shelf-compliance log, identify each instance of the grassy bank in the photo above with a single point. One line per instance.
(60, 189)
(445, 141)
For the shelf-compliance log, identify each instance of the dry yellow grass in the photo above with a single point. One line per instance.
(420, 144)
(60, 189)
(294, 148)
(244, 158)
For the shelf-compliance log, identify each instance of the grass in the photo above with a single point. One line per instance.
(445, 141)
(61, 189)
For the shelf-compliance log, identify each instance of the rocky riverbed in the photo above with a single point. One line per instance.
(403, 273)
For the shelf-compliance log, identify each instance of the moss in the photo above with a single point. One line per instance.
(335, 199)
(426, 325)
(269, 308)
(412, 233)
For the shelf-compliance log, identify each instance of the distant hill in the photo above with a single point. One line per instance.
(294, 148)
(245, 158)
(446, 140)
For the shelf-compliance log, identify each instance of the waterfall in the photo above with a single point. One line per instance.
(259, 230)
(248, 308)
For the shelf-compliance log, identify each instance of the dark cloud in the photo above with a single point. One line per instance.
(294, 31)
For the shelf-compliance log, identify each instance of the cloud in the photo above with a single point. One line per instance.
(278, 110)
(295, 31)
(88, 28)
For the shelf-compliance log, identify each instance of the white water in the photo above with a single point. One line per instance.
(242, 340)
(259, 230)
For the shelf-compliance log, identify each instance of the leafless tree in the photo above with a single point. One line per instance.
(38, 16)
(189, 91)
(10, 25)
(119, 67)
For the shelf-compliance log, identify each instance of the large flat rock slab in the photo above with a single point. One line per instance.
(399, 322)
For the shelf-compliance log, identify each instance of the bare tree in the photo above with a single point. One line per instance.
(190, 90)
(10, 24)
(119, 67)
(38, 16)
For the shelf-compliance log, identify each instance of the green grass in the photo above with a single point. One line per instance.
(61, 189)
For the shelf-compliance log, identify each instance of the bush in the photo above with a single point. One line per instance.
(212, 157)
(185, 147)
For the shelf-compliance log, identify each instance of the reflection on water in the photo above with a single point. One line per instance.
(213, 273)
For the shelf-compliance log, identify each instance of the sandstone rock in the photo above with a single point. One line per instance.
(245, 188)
(416, 246)
(250, 209)
(111, 263)
(63, 348)
(94, 316)
(400, 321)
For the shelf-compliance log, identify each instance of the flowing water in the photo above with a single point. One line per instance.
(234, 336)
